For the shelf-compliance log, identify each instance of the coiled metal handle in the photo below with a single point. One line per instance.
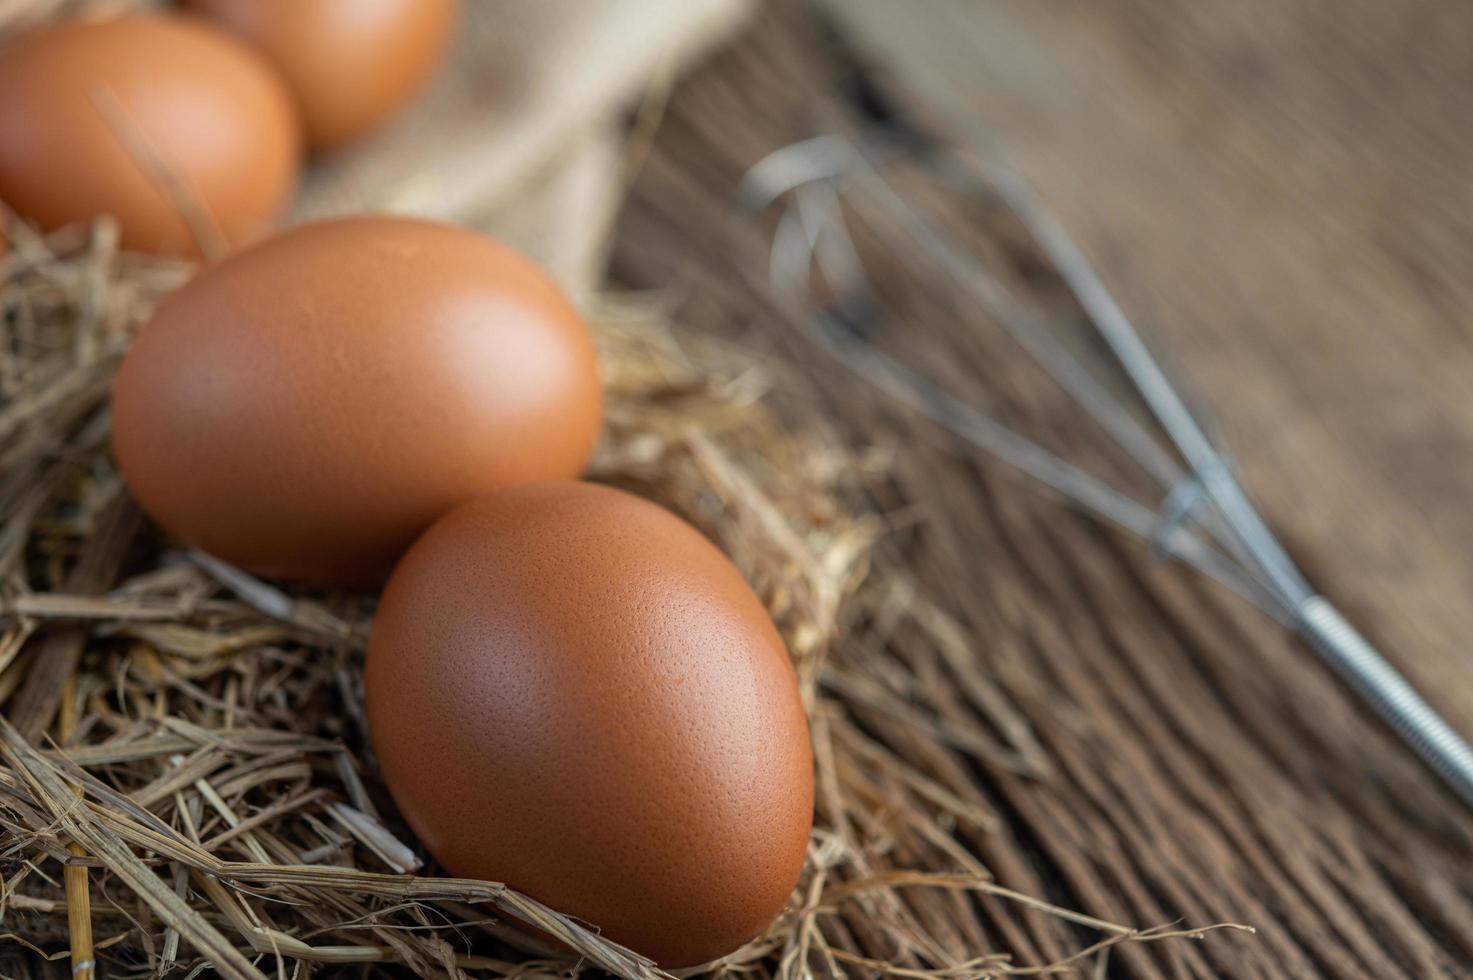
(1358, 663)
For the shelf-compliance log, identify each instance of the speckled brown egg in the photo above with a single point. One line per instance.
(307, 406)
(351, 63)
(572, 691)
(149, 118)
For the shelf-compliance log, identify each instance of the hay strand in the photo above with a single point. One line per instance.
(187, 740)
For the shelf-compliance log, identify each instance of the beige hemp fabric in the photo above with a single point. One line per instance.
(522, 131)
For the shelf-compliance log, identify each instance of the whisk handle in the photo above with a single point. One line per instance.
(1358, 663)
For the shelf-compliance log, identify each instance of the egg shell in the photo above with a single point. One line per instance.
(351, 63)
(102, 117)
(572, 691)
(307, 406)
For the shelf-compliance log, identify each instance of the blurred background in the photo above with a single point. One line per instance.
(1277, 192)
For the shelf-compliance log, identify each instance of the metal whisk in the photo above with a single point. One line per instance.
(1205, 519)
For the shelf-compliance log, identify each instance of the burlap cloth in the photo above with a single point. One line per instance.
(522, 132)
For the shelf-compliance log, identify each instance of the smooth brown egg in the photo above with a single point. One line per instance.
(307, 406)
(351, 63)
(572, 691)
(146, 118)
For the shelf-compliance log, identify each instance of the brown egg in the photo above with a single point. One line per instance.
(307, 406)
(572, 691)
(144, 118)
(351, 62)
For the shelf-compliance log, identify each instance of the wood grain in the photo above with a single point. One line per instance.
(1279, 192)
(1278, 204)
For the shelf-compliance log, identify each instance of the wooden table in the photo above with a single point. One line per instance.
(1279, 192)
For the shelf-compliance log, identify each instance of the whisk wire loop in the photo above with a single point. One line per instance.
(1204, 519)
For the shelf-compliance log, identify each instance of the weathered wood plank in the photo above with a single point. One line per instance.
(1280, 193)
(1202, 765)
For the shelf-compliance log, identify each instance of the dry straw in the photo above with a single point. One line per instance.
(184, 779)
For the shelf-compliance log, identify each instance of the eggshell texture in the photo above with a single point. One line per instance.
(307, 406)
(351, 63)
(98, 117)
(572, 691)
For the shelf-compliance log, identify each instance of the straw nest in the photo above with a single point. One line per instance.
(184, 777)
